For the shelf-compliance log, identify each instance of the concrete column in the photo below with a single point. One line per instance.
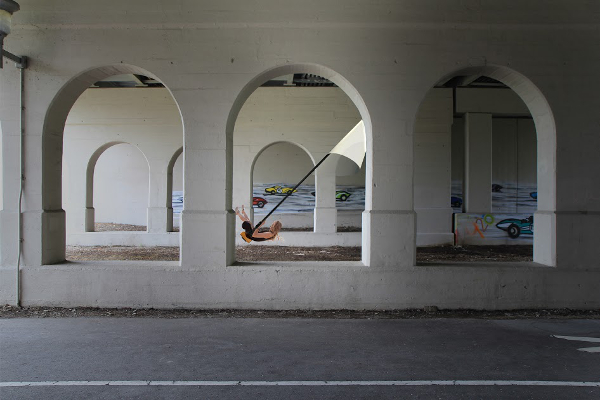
(206, 218)
(243, 159)
(158, 214)
(78, 187)
(388, 223)
(325, 216)
(478, 163)
(433, 147)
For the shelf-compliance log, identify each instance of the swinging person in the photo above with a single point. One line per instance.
(257, 236)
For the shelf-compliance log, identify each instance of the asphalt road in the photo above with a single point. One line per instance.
(235, 358)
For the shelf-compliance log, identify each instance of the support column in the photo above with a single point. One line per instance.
(433, 181)
(160, 217)
(325, 215)
(478, 163)
(158, 214)
(207, 217)
(77, 174)
(243, 159)
(388, 223)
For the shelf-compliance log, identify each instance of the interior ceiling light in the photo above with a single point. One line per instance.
(7, 9)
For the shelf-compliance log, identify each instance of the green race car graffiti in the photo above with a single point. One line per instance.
(516, 227)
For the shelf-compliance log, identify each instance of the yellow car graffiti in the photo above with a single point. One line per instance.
(279, 190)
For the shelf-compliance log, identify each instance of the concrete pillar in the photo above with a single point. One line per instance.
(206, 218)
(433, 158)
(243, 159)
(388, 223)
(78, 188)
(158, 214)
(478, 163)
(325, 216)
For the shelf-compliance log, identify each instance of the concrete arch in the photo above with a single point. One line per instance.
(274, 72)
(534, 99)
(52, 150)
(89, 181)
(347, 87)
(310, 156)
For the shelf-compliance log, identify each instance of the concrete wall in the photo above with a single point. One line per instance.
(385, 56)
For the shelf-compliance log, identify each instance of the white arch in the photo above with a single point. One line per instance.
(310, 156)
(275, 72)
(315, 69)
(89, 180)
(52, 149)
(534, 99)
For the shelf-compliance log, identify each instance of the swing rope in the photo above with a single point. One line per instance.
(287, 195)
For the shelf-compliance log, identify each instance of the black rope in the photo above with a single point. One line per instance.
(289, 193)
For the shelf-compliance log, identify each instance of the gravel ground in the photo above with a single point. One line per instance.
(110, 227)
(290, 253)
(429, 312)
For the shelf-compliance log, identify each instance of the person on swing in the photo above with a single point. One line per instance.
(257, 236)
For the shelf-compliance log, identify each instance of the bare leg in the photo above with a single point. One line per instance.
(244, 212)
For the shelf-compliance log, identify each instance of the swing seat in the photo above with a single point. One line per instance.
(245, 237)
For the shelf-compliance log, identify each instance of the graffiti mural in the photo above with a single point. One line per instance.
(302, 200)
(177, 201)
(493, 229)
(506, 198)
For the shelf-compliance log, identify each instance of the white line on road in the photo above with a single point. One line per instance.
(582, 339)
(302, 383)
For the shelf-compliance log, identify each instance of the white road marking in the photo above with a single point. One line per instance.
(582, 339)
(303, 383)
(579, 338)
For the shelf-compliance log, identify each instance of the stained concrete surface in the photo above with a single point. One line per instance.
(252, 349)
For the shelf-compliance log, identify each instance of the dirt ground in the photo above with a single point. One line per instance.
(290, 253)
(429, 312)
(111, 227)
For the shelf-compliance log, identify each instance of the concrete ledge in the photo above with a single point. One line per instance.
(435, 239)
(142, 239)
(310, 239)
(309, 285)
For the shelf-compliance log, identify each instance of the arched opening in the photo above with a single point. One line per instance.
(270, 180)
(116, 189)
(295, 103)
(175, 190)
(485, 164)
(93, 112)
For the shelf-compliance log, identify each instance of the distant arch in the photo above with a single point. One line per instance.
(534, 99)
(53, 245)
(90, 217)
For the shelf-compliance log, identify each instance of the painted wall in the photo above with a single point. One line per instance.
(514, 167)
